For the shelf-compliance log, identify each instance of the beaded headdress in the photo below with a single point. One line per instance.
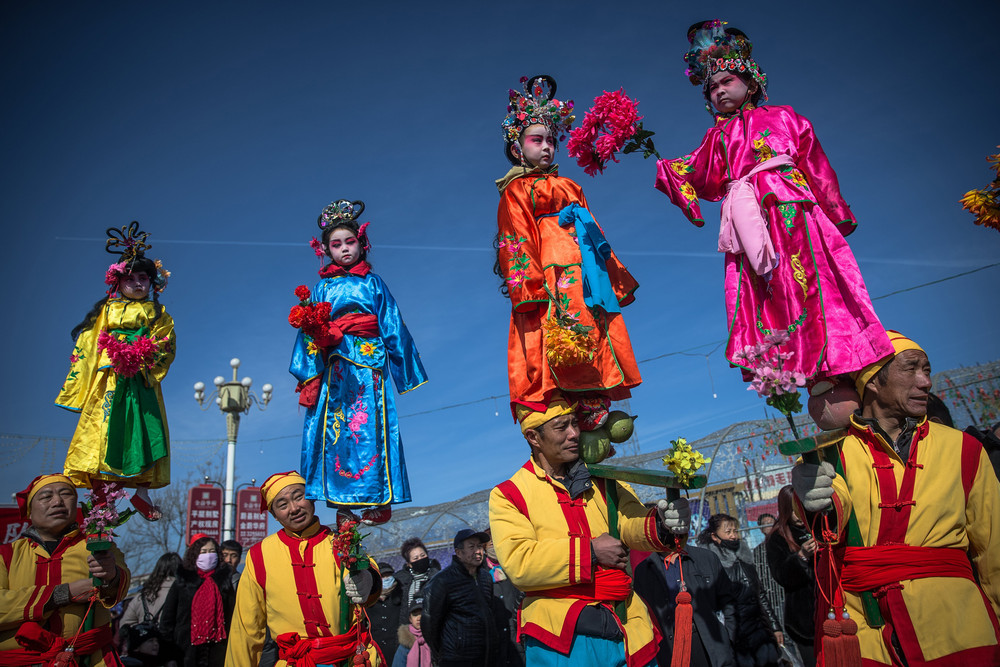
(715, 48)
(337, 212)
(537, 105)
(129, 243)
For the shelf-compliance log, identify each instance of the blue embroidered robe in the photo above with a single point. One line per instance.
(352, 453)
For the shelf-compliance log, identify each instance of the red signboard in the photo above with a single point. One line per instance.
(11, 524)
(205, 511)
(251, 524)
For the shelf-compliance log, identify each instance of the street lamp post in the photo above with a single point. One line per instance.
(233, 398)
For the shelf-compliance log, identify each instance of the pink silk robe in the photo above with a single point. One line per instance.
(816, 292)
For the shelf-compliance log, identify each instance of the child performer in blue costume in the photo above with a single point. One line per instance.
(351, 337)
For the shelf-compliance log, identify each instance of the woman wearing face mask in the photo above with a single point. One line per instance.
(758, 633)
(384, 614)
(195, 617)
(417, 570)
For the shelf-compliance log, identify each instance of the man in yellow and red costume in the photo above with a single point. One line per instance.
(46, 582)
(295, 583)
(550, 528)
(922, 500)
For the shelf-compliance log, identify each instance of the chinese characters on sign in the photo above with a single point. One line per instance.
(251, 524)
(204, 513)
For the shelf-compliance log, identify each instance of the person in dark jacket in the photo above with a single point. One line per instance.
(658, 583)
(790, 548)
(458, 622)
(758, 634)
(417, 570)
(384, 614)
(507, 600)
(196, 614)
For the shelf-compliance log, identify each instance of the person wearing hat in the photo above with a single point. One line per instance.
(458, 620)
(551, 532)
(923, 504)
(144, 647)
(47, 579)
(384, 615)
(413, 650)
(291, 585)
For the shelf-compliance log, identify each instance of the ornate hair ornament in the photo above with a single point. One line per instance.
(337, 212)
(715, 48)
(130, 244)
(537, 106)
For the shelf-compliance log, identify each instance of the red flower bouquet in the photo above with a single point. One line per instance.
(613, 124)
(309, 316)
(129, 355)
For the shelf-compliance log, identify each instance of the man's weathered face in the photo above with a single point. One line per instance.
(230, 558)
(292, 509)
(557, 440)
(907, 384)
(470, 553)
(53, 508)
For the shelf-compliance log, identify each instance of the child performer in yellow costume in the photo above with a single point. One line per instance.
(124, 347)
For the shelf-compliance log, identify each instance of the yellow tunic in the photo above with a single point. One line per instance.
(278, 604)
(538, 552)
(28, 579)
(90, 386)
(950, 615)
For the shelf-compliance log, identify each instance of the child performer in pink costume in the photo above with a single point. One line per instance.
(788, 267)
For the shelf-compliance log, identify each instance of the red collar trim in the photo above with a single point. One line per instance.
(333, 270)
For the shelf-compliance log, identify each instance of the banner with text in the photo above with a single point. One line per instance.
(204, 512)
(251, 524)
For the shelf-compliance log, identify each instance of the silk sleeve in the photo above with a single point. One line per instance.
(532, 563)
(404, 360)
(519, 254)
(700, 174)
(19, 604)
(812, 162)
(246, 631)
(639, 527)
(983, 524)
(163, 332)
(84, 362)
(306, 365)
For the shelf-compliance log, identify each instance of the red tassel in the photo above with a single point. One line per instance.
(683, 617)
(841, 647)
(831, 643)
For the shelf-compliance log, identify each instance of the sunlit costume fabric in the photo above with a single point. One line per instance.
(352, 453)
(816, 292)
(94, 390)
(292, 585)
(542, 266)
(28, 577)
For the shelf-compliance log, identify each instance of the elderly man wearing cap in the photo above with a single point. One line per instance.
(551, 532)
(913, 502)
(458, 620)
(47, 579)
(292, 584)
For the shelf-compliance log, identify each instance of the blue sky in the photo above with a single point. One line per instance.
(224, 128)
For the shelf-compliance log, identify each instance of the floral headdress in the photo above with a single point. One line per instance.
(537, 106)
(337, 212)
(715, 49)
(130, 244)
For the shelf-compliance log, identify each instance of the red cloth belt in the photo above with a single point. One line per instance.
(42, 646)
(300, 651)
(871, 568)
(608, 586)
(356, 324)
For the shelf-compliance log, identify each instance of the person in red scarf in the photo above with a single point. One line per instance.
(46, 581)
(199, 607)
(551, 531)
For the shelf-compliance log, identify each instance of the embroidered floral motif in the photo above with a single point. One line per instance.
(366, 348)
(681, 165)
(519, 261)
(788, 212)
(566, 279)
(77, 355)
(106, 406)
(311, 347)
(799, 273)
(689, 192)
(796, 177)
(762, 151)
(358, 417)
(790, 328)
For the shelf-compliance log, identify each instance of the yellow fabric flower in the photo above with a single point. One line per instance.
(565, 347)
(681, 167)
(684, 462)
(367, 349)
(764, 152)
(689, 192)
(312, 348)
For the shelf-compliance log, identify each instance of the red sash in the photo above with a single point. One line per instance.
(608, 586)
(300, 651)
(42, 646)
(356, 324)
(872, 568)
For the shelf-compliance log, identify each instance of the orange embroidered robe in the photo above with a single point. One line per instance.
(541, 264)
